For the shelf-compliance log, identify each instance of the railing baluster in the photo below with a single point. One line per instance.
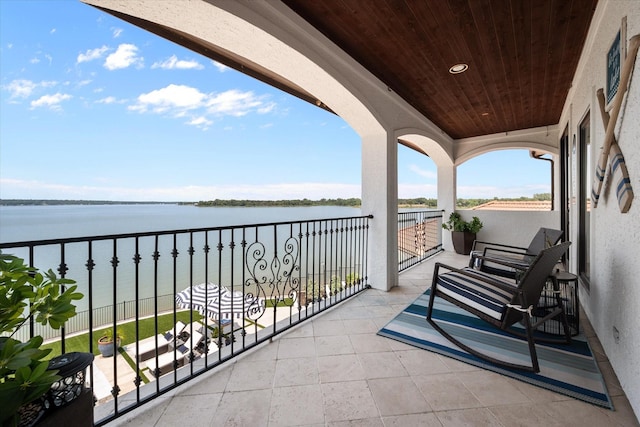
(298, 265)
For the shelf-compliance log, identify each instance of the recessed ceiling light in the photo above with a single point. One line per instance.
(458, 68)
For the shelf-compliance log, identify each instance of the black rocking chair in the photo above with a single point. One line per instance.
(500, 302)
(505, 260)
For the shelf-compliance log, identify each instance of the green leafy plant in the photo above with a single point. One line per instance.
(108, 336)
(27, 294)
(456, 223)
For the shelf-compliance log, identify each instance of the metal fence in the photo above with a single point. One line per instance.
(262, 280)
(419, 237)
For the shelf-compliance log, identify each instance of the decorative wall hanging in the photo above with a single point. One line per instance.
(609, 138)
(617, 167)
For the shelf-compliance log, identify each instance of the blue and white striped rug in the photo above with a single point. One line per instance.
(567, 369)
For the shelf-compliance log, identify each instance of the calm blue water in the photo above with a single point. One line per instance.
(22, 223)
(146, 279)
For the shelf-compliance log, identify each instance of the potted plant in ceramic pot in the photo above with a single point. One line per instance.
(463, 233)
(108, 343)
(25, 295)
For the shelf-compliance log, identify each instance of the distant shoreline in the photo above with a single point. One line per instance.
(53, 202)
(418, 203)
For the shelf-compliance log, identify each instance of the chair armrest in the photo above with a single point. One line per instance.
(511, 263)
(497, 245)
(507, 252)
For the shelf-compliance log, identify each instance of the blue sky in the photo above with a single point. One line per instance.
(94, 108)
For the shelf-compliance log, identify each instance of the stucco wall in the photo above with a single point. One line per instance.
(522, 225)
(612, 302)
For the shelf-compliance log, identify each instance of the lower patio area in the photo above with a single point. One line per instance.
(334, 370)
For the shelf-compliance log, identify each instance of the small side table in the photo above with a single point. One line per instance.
(568, 287)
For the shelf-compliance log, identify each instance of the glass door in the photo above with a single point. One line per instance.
(584, 200)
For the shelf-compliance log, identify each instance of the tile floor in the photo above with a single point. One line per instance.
(335, 371)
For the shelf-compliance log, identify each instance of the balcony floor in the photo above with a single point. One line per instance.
(335, 371)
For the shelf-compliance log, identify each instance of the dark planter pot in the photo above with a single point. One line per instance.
(463, 241)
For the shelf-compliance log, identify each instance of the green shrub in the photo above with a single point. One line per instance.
(27, 294)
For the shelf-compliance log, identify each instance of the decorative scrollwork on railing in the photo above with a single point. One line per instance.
(274, 280)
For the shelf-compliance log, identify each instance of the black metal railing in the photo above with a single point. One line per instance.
(419, 237)
(262, 280)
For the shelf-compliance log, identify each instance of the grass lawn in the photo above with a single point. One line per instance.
(146, 328)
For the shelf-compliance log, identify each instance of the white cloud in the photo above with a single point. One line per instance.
(424, 173)
(20, 88)
(107, 100)
(116, 32)
(34, 61)
(221, 67)
(51, 101)
(175, 98)
(413, 191)
(269, 107)
(24, 88)
(489, 191)
(173, 63)
(53, 30)
(234, 103)
(180, 101)
(125, 56)
(200, 122)
(23, 189)
(92, 54)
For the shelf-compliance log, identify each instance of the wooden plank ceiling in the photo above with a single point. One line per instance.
(522, 55)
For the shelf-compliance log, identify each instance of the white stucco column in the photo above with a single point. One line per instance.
(380, 198)
(447, 198)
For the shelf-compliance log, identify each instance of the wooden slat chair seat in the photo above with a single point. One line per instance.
(500, 302)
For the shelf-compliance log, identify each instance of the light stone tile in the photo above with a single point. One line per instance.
(292, 406)
(359, 326)
(300, 371)
(369, 343)
(324, 327)
(382, 365)
(468, 417)
(537, 394)
(304, 330)
(367, 422)
(525, 415)
(146, 416)
(446, 392)
(241, 408)
(291, 348)
(180, 406)
(610, 379)
(343, 367)
(349, 400)
(412, 420)
(577, 413)
(456, 365)
(212, 382)
(623, 414)
(400, 346)
(265, 351)
(356, 312)
(249, 375)
(421, 362)
(329, 345)
(398, 396)
(491, 388)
